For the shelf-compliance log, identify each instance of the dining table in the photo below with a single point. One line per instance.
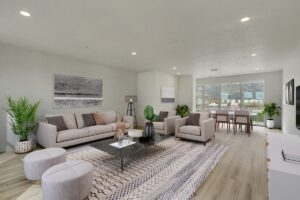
(231, 113)
(231, 116)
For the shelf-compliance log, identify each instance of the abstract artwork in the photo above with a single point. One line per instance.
(289, 92)
(76, 91)
(167, 94)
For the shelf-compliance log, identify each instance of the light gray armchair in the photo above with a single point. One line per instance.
(166, 127)
(204, 132)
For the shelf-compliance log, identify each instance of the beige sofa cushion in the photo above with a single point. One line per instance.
(159, 125)
(79, 120)
(99, 129)
(71, 134)
(192, 130)
(109, 116)
(114, 125)
(69, 119)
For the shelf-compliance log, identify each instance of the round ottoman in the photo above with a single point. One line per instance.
(37, 162)
(71, 180)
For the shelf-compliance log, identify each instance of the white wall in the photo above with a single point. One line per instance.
(29, 73)
(149, 89)
(273, 85)
(291, 71)
(185, 90)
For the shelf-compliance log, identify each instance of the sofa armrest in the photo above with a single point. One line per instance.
(179, 123)
(207, 129)
(46, 135)
(129, 119)
(170, 124)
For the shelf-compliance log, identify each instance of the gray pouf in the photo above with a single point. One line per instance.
(37, 162)
(67, 181)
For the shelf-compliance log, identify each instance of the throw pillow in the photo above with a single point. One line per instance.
(162, 115)
(88, 120)
(98, 118)
(193, 119)
(57, 121)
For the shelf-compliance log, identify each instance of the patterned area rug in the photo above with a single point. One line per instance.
(174, 169)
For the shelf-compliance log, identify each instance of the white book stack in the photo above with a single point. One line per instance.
(291, 150)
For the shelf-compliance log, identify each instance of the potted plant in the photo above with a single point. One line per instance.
(271, 110)
(23, 121)
(150, 116)
(182, 110)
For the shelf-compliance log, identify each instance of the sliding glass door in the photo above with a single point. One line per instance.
(232, 96)
(212, 99)
(253, 99)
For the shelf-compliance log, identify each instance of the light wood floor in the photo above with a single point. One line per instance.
(242, 172)
(240, 175)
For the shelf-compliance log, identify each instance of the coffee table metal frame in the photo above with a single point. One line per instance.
(125, 148)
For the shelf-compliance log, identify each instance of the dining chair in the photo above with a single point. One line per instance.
(242, 117)
(223, 118)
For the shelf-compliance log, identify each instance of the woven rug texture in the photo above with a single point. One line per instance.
(173, 169)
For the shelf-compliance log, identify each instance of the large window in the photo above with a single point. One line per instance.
(231, 96)
(212, 96)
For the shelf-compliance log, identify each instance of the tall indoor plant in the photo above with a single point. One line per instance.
(182, 110)
(23, 121)
(150, 116)
(271, 110)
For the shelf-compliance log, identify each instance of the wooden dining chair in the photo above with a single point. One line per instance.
(222, 117)
(242, 117)
(251, 119)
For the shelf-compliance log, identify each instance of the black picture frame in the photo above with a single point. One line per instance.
(290, 92)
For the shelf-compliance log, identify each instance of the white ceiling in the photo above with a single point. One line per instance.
(193, 35)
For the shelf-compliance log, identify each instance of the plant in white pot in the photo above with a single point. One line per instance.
(271, 110)
(23, 121)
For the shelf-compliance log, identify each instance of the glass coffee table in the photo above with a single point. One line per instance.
(127, 147)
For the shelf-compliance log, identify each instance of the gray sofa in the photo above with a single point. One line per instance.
(166, 127)
(47, 135)
(204, 132)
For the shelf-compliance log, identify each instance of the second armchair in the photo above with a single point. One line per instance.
(167, 125)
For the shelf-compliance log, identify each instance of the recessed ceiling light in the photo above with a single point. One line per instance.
(24, 13)
(174, 68)
(178, 73)
(214, 70)
(133, 53)
(245, 19)
(254, 54)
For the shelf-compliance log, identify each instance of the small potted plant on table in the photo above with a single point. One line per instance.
(271, 110)
(23, 121)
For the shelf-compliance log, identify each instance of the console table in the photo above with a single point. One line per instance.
(283, 177)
